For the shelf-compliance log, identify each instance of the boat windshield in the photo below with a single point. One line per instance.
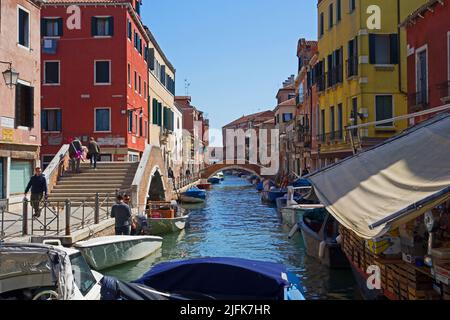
(82, 274)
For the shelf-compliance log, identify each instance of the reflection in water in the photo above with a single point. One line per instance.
(234, 223)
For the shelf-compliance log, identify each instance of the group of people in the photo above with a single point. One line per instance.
(78, 153)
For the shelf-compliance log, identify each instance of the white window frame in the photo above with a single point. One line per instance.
(420, 50)
(130, 81)
(381, 127)
(448, 55)
(95, 73)
(51, 37)
(95, 119)
(59, 73)
(106, 37)
(46, 109)
(19, 7)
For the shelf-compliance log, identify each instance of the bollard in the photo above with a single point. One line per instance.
(68, 214)
(25, 217)
(97, 209)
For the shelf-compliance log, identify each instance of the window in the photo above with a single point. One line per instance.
(52, 27)
(383, 48)
(139, 85)
(102, 72)
(322, 125)
(151, 59)
(135, 81)
(145, 90)
(321, 25)
(130, 121)
(330, 16)
(141, 129)
(340, 122)
(138, 6)
(102, 26)
(82, 274)
(146, 128)
(338, 11)
(136, 122)
(51, 72)
(19, 174)
(23, 27)
(129, 74)
(24, 106)
(51, 120)
(102, 120)
(46, 161)
(352, 63)
(352, 5)
(384, 110)
(130, 30)
(332, 122)
(287, 117)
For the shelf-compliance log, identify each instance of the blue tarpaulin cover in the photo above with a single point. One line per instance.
(220, 277)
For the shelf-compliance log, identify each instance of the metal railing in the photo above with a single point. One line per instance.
(185, 180)
(335, 136)
(418, 100)
(56, 217)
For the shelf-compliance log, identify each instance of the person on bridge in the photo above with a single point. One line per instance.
(170, 174)
(93, 152)
(75, 154)
(122, 213)
(38, 186)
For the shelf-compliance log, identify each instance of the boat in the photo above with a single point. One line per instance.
(193, 195)
(260, 186)
(164, 218)
(31, 271)
(223, 279)
(106, 252)
(292, 214)
(214, 180)
(204, 186)
(281, 202)
(221, 176)
(320, 231)
(271, 196)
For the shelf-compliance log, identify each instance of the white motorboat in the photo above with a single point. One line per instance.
(106, 252)
(46, 272)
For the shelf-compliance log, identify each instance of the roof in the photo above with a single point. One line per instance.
(244, 119)
(288, 103)
(384, 187)
(84, 1)
(419, 11)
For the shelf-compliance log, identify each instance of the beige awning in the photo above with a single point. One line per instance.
(390, 184)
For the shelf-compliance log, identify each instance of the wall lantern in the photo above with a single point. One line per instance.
(10, 75)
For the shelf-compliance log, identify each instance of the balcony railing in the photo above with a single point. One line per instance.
(331, 137)
(418, 100)
(444, 90)
(352, 67)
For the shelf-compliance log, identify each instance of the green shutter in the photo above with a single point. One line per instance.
(394, 48)
(155, 112)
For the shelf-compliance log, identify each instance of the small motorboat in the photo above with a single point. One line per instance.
(272, 195)
(193, 195)
(223, 279)
(30, 271)
(282, 201)
(214, 180)
(164, 218)
(320, 231)
(204, 186)
(221, 176)
(106, 252)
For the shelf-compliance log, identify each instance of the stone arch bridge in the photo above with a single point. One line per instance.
(253, 168)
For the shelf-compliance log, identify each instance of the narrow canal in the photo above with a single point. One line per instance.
(234, 223)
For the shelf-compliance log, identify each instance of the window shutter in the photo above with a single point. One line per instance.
(155, 112)
(44, 120)
(151, 59)
(160, 114)
(372, 48)
(30, 110)
(59, 120)
(394, 48)
(94, 26)
(60, 26)
(111, 26)
(43, 27)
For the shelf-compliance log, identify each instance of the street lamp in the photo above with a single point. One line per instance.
(10, 75)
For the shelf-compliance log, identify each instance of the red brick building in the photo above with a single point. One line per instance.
(95, 77)
(428, 38)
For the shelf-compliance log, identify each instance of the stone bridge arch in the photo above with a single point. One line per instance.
(211, 170)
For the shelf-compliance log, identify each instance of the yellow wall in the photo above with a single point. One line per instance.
(371, 80)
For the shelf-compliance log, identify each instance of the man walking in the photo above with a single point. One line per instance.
(75, 154)
(93, 152)
(122, 213)
(38, 185)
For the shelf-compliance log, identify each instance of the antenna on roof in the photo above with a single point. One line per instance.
(187, 84)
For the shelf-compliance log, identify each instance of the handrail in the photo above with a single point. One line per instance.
(140, 173)
(54, 165)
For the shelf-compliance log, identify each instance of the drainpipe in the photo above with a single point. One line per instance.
(400, 84)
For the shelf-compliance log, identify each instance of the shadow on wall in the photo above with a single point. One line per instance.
(156, 192)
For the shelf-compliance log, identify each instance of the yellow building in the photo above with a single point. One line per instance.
(361, 74)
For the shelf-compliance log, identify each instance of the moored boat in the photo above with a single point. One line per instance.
(223, 279)
(193, 195)
(274, 194)
(214, 180)
(291, 215)
(204, 186)
(106, 252)
(165, 217)
(221, 176)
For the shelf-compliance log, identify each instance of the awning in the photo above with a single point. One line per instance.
(381, 188)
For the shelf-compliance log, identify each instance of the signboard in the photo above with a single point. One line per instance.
(8, 135)
(7, 122)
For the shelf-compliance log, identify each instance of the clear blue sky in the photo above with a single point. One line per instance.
(235, 53)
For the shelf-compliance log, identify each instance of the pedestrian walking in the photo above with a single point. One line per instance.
(122, 213)
(170, 173)
(93, 152)
(38, 186)
(75, 154)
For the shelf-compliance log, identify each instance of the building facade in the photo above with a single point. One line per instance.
(20, 94)
(428, 43)
(102, 92)
(361, 72)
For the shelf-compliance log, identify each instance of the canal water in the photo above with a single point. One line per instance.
(234, 223)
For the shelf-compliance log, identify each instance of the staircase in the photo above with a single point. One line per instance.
(109, 178)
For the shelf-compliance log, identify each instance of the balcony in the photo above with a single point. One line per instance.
(331, 137)
(418, 101)
(302, 138)
(352, 67)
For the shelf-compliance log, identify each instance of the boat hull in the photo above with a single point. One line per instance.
(166, 226)
(204, 186)
(187, 199)
(105, 256)
(214, 180)
(291, 216)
